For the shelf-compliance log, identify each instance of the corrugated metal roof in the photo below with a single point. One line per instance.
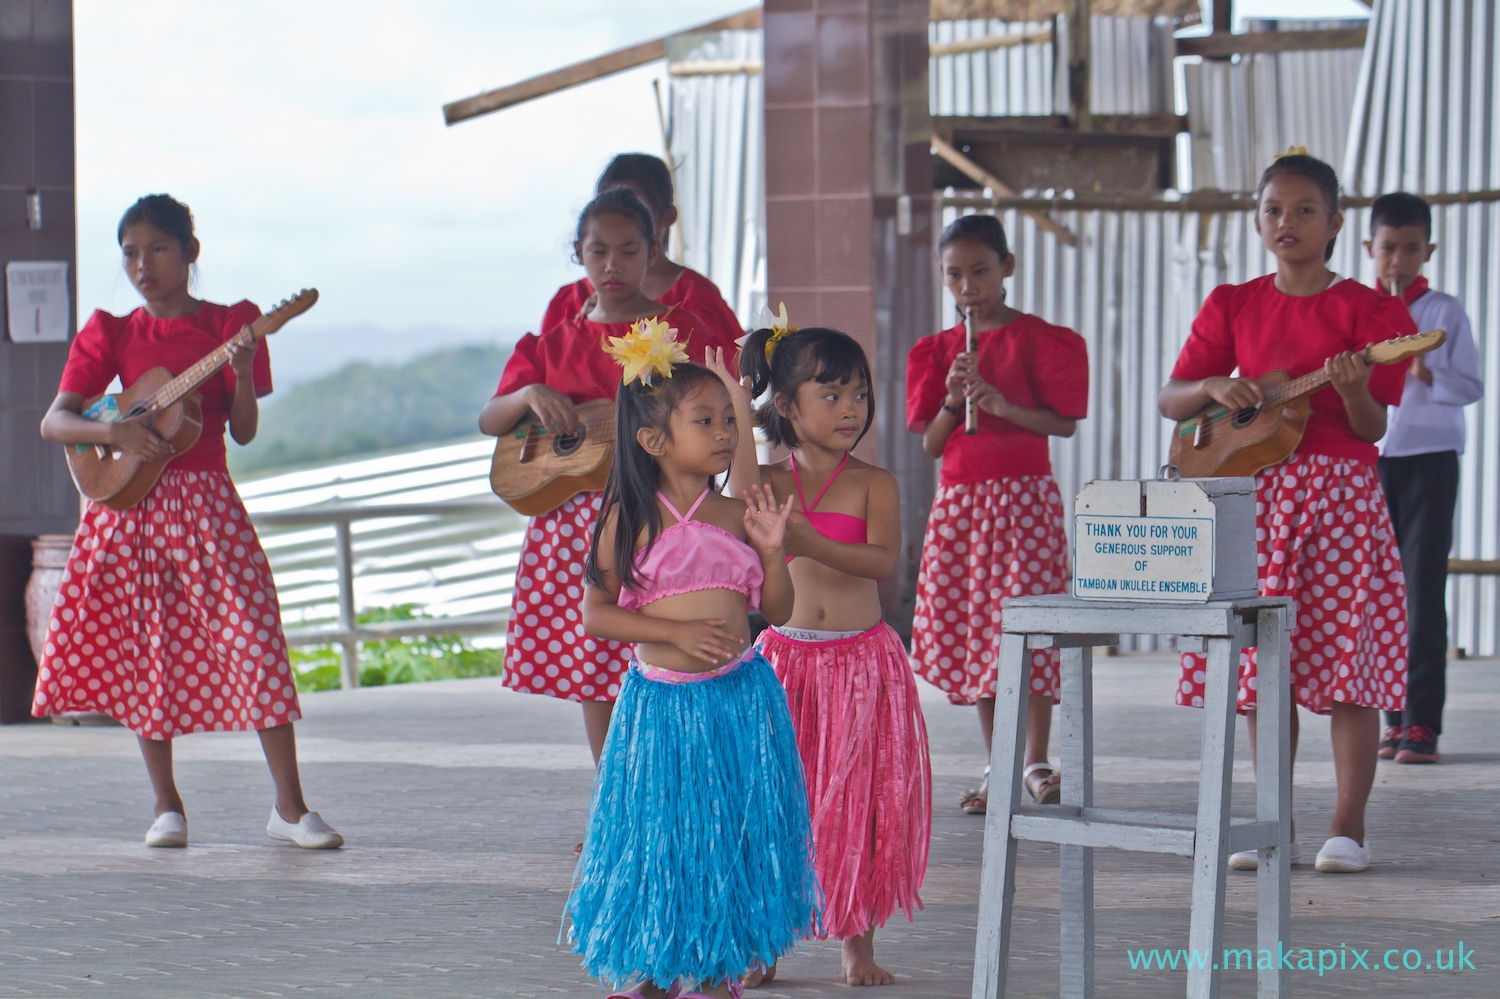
(1425, 120)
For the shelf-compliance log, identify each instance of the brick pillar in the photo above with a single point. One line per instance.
(849, 209)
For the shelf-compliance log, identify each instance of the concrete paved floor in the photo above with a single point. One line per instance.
(462, 801)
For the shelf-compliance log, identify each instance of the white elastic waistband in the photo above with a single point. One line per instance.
(814, 635)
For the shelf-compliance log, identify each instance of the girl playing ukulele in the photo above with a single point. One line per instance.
(996, 529)
(1323, 533)
(546, 650)
(850, 686)
(167, 618)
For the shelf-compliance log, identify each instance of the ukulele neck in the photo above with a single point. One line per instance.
(1297, 388)
(200, 372)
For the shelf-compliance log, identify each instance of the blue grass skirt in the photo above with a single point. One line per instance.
(698, 859)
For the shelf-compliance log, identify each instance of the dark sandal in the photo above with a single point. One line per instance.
(1044, 783)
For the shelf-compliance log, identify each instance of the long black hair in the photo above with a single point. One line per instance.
(1301, 165)
(635, 477)
(816, 353)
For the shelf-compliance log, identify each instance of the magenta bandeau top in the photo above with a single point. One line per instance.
(842, 527)
(691, 555)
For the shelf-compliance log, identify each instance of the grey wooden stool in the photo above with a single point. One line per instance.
(1219, 628)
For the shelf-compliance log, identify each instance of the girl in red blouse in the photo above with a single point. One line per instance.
(167, 618)
(1323, 533)
(667, 282)
(546, 650)
(997, 525)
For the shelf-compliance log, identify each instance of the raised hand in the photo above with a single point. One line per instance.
(708, 640)
(765, 520)
(738, 388)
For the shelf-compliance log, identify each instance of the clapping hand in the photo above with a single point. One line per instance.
(765, 520)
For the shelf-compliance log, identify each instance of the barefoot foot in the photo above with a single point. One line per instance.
(757, 977)
(859, 962)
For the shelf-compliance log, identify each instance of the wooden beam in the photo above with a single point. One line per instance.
(1474, 567)
(584, 72)
(1220, 45)
(985, 43)
(980, 175)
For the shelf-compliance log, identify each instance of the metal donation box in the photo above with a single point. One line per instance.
(1165, 540)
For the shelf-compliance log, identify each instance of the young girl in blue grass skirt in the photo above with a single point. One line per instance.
(697, 864)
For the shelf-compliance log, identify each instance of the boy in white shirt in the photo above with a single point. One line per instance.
(1419, 464)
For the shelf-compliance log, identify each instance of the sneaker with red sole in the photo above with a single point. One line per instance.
(1418, 745)
(1390, 742)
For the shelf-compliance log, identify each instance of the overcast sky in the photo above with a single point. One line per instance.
(308, 139)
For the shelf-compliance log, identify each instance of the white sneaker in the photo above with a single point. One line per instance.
(169, 829)
(309, 832)
(1249, 860)
(1342, 855)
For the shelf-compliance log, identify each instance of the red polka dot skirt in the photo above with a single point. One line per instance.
(1323, 537)
(167, 619)
(546, 649)
(986, 542)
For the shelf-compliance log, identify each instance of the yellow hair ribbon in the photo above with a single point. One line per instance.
(780, 327)
(1294, 151)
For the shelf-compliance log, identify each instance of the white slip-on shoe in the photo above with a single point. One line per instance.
(169, 829)
(1342, 855)
(309, 832)
(1249, 860)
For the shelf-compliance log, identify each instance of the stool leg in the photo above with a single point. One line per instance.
(1210, 851)
(1273, 797)
(1076, 738)
(997, 878)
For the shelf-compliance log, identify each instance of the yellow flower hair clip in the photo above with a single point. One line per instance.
(1294, 151)
(649, 349)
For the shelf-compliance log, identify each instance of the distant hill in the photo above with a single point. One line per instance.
(364, 408)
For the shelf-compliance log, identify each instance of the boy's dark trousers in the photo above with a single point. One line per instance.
(1421, 490)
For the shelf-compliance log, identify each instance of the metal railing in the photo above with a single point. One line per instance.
(348, 633)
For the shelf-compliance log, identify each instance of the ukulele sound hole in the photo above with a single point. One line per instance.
(1244, 417)
(565, 446)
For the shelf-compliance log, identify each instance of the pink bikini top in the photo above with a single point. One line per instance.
(691, 555)
(841, 527)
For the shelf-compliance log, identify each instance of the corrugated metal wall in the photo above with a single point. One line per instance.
(1425, 120)
(716, 141)
(1131, 72)
(1242, 112)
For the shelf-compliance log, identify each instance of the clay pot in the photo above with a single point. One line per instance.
(49, 557)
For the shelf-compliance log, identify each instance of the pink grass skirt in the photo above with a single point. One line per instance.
(863, 744)
(167, 619)
(1323, 537)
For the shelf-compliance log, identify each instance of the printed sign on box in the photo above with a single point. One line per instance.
(36, 301)
(1143, 558)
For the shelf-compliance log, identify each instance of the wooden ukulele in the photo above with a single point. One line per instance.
(1216, 441)
(536, 471)
(168, 405)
